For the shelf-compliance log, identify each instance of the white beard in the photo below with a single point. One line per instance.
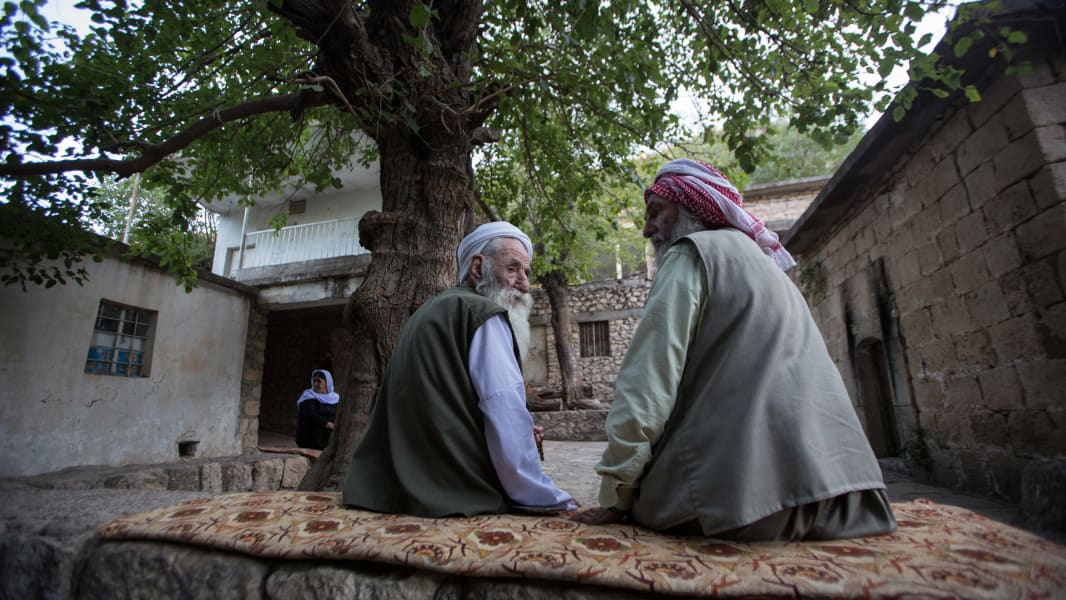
(518, 305)
(684, 225)
(519, 317)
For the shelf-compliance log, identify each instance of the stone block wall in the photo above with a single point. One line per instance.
(218, 475)
(572, 425)
(970, 229)
(620, 303)
(780, 204)
(252, 380)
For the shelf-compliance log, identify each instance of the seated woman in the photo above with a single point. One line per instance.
(316, 411)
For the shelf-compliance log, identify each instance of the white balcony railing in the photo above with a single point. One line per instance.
(297, 243)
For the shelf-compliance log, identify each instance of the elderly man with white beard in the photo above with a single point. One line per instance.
(730, 419)
(449, 433)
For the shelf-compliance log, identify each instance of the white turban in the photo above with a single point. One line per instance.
(479, 238)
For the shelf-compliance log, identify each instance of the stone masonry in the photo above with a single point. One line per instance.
(779, 204)
(620, 303)
(252, 379)
(954, 265)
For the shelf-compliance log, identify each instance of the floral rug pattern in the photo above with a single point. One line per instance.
(938, 550)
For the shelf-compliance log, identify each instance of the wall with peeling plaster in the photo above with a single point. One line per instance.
(53, 415)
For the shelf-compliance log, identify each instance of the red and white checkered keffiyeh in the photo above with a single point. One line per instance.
(710, 196)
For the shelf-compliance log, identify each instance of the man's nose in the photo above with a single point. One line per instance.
(522, 283)
(649, 229)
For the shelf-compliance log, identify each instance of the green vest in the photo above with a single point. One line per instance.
(424, 451)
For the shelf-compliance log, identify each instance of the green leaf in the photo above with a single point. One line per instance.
(420, 15)
(962, 46)
(884, 69)
(972, 93)
(1017, 37)
(898, 113)
(939, 93)
(914, 11)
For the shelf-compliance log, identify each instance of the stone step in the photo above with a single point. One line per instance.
(243, 473)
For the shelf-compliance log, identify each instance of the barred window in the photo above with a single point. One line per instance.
(595, 338)
(121, 342)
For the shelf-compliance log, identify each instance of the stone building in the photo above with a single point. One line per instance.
(603, 316)
(935, 264)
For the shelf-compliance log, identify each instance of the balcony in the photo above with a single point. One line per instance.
(296, 244)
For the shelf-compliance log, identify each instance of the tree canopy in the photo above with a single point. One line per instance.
(179, 86)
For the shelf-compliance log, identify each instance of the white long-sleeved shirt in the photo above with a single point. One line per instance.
(508, 426)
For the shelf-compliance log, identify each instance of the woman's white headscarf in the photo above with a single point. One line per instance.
(330, 397)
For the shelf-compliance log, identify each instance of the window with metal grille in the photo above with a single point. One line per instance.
(121, 342)
(595, 338)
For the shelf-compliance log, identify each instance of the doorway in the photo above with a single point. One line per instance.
(297, 342)
(875, 393)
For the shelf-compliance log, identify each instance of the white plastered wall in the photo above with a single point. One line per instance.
(53, 415)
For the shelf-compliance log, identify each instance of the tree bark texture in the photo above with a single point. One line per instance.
(559, 299)
(427, 197)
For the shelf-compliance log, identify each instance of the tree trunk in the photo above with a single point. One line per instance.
(423, 115)
(426, 207)
(555, 286)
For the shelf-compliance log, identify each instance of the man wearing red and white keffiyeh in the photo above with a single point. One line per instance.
(728, 409)
(712, 199)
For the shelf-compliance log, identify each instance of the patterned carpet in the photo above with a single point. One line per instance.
(938, 551)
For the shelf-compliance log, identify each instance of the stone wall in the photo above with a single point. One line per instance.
(620, 303)
(258, 472)
(252, 380)
(781, 203)
(572, 425)
(943, 293)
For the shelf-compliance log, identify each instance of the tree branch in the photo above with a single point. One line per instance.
(154, 153)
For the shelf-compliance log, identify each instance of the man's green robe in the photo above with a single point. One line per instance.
(424, 451)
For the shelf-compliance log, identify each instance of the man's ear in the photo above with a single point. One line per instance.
(476, 263)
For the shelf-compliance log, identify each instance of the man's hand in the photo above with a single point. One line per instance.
(597, 515)
(538, 434)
